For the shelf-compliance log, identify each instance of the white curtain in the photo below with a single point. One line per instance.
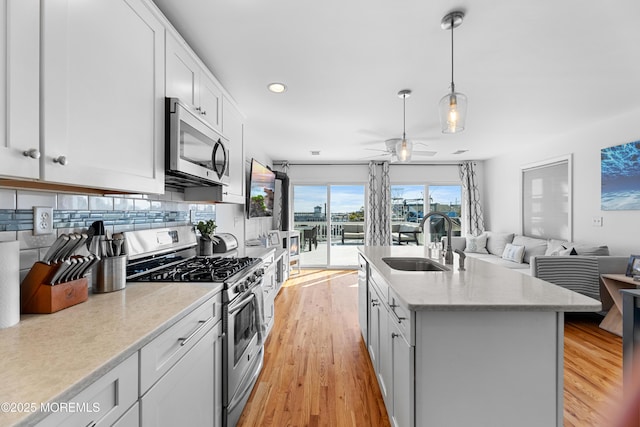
(379, 205)
(473, 217)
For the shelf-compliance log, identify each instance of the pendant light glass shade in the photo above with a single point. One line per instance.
(453, 112)
(404, 147)
(453, 106)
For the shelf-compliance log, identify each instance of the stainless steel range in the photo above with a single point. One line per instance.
(168, 255)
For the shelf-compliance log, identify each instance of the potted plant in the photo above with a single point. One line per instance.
(205, 243)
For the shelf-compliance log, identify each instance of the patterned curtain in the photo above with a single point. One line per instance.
(379, 206)
(473, 218)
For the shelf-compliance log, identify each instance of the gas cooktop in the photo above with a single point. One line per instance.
(198, 269)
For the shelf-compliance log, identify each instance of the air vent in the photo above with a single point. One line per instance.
(460, 151)
(315, 152)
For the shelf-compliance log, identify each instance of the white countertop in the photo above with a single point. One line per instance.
(482, 286)
(52, 357)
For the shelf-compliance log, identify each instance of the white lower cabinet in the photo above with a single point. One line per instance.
(102, 403)
(189, 394)
(391, 351)
(131, 418)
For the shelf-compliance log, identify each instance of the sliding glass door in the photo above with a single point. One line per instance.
(330, 219)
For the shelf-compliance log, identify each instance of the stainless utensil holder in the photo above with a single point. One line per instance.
(110, 274)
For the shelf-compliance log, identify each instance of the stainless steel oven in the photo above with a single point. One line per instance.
(242, 347)
(196, 154)
(168, 255)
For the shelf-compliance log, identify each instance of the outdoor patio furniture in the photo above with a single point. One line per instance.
(352, 232)
(310, 234)
(404, 233)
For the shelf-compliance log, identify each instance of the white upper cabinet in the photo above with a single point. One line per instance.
(190, 82)
(19, 88)
(103, 95)
(233, 128)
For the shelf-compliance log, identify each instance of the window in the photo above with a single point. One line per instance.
(408, 207)
(546, 199)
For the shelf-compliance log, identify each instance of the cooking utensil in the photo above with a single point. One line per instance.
(65, 276)
(67, 251)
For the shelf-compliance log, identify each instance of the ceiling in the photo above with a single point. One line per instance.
(530, 69)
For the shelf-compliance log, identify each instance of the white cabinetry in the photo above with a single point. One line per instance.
(19, 88)
(103, 402)
(233, 128)
(187, 80)
(269, 291)
(391, 350)
(181, 371)
(185, 395)
(103, 95)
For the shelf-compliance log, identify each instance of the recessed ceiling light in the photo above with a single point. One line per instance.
(277, 87)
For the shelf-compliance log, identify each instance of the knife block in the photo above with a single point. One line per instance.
(37, 296)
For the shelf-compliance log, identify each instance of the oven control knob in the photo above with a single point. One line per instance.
(240, 287)
(259, 272)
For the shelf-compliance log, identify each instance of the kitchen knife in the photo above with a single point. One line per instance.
(59, 272)
(65, 277)
(81, 238)
(55, 247)
(58, 255)
(88, 263)
(65, 251)
(74, 271)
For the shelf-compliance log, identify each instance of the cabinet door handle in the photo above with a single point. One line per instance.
(394, 335)
(204, 112)
(198, 109)
(400, 319)
(202, 323)
(62, 160)
(374, 302)
(33, 153)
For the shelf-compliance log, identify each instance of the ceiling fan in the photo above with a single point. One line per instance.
(402, 148)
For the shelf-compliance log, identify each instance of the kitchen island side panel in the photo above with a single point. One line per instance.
(486, 368)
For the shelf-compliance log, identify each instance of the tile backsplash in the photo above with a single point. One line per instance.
(76, 212)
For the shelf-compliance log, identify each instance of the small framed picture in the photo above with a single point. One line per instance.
(633, 268)
(274, 238)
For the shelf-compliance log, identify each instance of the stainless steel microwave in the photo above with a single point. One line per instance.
(196, 154)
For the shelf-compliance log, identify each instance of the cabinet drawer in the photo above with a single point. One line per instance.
(402, 316)
(103, 402)
(379, 283)
(158, 356)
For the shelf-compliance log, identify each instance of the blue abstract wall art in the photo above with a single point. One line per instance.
(620, 167)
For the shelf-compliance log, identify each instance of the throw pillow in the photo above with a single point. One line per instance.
(533, 246)
(554, 246)
(592, 250)
(567, 251)
(513, 253)
(477, 244)
(496, 242)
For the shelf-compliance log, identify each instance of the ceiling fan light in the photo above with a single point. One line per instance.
(404, 147)
(453, 112)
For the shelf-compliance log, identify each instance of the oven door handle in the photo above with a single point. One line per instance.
(237, 306)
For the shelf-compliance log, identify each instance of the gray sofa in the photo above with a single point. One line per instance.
(571, 265)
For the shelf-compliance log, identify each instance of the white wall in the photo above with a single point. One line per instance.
(503, 193)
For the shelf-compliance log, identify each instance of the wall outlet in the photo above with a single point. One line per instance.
(596, 221)
(42, 220)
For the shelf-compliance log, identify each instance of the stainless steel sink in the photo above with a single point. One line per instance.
(413, 264)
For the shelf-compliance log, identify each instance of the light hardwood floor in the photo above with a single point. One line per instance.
(317, 370)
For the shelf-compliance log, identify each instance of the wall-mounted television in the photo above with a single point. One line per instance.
(262, 185)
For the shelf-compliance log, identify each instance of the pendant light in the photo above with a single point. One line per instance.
(404, 146)
(453, 106)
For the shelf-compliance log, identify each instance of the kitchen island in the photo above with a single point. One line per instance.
(481, 346)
